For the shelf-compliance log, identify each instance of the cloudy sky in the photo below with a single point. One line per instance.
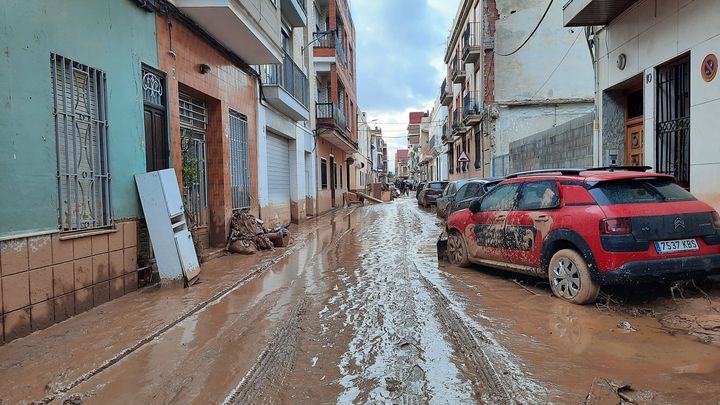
(400, 48)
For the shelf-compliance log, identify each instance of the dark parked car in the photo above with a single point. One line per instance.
(420, 187)
(471, 190)
(431, 192)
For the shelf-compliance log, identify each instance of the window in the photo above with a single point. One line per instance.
(639, 191)
(539, 195)
(83, 174)
(323, 174)
(239, 160)
(500, 199)
(460, 195)
(341, 177)
(473, 190)
(335, 177)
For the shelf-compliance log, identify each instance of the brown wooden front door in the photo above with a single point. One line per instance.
(634, 142)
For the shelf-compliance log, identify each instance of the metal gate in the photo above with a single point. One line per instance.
(672, 148)
(239, 160)
(193, 123)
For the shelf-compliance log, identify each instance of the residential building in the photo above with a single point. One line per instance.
(425, 161)
(415, 119)
(499, 90)
(362, 165)
(73, 138)
(378, 151)
(438, 134)
(402, 164)
(336, 100)
(286, 160)
(658, 95)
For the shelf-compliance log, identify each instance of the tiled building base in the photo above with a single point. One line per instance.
(45, 279)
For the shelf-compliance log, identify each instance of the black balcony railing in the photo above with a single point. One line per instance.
(472, 104)
(443, 89)
(453, 67)
(324, 39)
(444, 130)
(456, 120)
(289, 76)
(472, 36)
(328, 111)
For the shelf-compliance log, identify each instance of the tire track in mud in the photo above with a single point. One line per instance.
(265, 378)
(499, 377)
(58, 391)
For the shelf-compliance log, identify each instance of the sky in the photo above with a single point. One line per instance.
(400, 48)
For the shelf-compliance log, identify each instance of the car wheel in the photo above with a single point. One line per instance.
(457, 252)
(570, 279)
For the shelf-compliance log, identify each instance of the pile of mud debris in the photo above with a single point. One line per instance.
(248, 235)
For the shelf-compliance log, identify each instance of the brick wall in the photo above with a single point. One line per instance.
(223, 88)
(564, 146)
(47, 279)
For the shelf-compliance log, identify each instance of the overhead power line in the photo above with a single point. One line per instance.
(558, 65)
(531, 34)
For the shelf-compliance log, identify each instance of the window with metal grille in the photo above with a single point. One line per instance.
(81, 127)
(672, 145)
(239, 160)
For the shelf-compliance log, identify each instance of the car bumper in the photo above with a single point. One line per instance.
(661, 269)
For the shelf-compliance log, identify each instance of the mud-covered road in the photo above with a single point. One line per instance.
(358, 310)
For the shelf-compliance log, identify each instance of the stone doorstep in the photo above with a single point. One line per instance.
(66, 342)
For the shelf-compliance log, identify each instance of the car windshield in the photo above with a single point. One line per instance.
(436, 186)
(639, 191)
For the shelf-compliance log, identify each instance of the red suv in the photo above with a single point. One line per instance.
(586, 228)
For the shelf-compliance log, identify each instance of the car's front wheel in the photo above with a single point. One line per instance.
(569, 277)
(457, 252)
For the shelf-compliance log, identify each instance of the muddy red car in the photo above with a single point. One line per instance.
(582, 229)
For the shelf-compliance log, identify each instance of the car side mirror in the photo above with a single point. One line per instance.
(475, 205)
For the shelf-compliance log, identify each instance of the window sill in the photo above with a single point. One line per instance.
(84, 234)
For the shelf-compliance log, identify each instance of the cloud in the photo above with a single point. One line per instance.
(400, 49)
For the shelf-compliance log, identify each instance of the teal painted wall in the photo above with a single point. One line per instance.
(114, 36)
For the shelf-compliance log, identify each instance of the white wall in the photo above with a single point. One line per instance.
(650, 34)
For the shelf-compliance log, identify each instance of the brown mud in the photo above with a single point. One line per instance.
(358, 310)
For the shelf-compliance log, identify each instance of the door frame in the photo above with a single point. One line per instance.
(161, 109)
(632, 122)
(332, 180)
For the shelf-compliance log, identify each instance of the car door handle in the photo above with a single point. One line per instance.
(500, 218)
(542, 218)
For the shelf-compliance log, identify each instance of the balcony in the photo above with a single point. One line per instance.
(472, 108)
(328, 50)
(457, 125)
(294, 12)
(445, 95)
(472, 43)
(581, 13)
(285, 87)
(238, 28)
(444, 131)
(331, 117)
(458, 71)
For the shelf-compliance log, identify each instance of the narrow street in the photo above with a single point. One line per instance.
(356, 310)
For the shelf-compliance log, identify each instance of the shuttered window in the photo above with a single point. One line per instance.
(81, 128)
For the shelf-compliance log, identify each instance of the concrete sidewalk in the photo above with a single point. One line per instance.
(50, 362)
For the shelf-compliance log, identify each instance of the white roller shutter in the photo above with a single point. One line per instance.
(278, 164)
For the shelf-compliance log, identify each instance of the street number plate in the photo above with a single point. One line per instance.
(675, 246)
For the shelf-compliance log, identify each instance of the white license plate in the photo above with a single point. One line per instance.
(675, 246)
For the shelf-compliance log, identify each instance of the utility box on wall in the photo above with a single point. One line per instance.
(165, 216)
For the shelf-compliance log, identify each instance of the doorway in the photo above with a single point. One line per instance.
(634, 128)
(157, 149)
(333, 179)
(672, 114)
(193, 127)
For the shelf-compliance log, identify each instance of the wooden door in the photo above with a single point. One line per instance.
(634, 142)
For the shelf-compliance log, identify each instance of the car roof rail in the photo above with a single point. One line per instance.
(621, 168)
(564, 172)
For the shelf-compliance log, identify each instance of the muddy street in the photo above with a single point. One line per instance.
(359, 310)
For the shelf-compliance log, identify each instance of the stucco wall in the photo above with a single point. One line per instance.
(651, 33)
(110, 35)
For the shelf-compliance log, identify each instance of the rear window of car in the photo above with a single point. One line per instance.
(639, 191)
(436, 186)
